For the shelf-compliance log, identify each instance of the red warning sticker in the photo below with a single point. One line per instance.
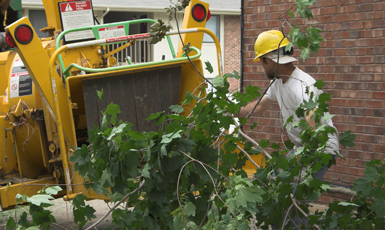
(76, 14)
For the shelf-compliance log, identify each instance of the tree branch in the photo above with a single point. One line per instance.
(248, 156)
(300, 209)
(116, 205)
(343, 190)
(254, 143)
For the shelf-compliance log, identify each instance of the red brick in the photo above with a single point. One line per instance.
(326, 199)
(340, 52)
(372, 156)
(349, 178)
(364, 60)
(379, 95)
(351, 62)
(356, 171)
(348, 60)
(379, 148)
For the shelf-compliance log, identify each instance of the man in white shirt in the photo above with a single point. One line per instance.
(289, 88)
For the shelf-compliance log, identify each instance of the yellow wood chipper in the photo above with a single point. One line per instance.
(49, 89)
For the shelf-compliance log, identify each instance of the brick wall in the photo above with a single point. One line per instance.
(232, 47)
(352, 64)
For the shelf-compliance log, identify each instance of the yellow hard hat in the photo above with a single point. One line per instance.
(268, 41)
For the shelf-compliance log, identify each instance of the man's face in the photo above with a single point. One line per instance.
(269, 67)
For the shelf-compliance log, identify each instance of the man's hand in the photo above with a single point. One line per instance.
(254, 109)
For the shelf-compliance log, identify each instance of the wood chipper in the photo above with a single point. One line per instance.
(50, 89)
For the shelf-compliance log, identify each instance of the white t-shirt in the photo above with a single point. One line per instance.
(290, 95)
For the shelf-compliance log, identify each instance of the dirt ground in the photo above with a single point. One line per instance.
(62, 211)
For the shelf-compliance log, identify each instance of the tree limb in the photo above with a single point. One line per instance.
(254, 143)
(248, 156)
(343, 190)
(300, 209)
(116, 205)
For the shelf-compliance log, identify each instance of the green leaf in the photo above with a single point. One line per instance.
(81, 211)
(39, 199)
(345, 204)
(188, 97)
(178, 222)
(23, 220)
(186, 145)
(101, 94)
(325, 187)
(290, 13)
(346, 139)
(218, 81)
(189, 209)
(275, 146)
(235, 75)
(33, 228)
(209, 67)
(319, 84)
(327, 117)
(20, 198)
(79, 199)
(106, 179)
(171, 136)
(105, 123)
(379, 206)
(363, 185)
(11, 224)
(309, 105)
(89, 212)
(176, 108)
(289, 144)
(264, 143)
(371, 172)
(53, 190)
(158, 30)
(146, 171)
(116, 131)
(113, 109)
(154, 116)
(305, 53)
(283, 174)
(248, 195)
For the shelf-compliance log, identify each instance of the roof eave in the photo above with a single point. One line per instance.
(39, 6)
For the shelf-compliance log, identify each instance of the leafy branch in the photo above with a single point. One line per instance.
(307, 38)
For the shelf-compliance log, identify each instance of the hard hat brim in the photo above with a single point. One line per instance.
(284, 59)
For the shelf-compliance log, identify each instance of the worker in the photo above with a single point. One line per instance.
(288, 87)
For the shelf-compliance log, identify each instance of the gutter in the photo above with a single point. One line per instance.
(104, 14)
(135, 9)
(242, 44)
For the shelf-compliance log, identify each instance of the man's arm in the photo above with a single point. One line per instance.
(263, 105)
(309, 119)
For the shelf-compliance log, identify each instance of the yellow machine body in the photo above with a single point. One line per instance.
(49, 98)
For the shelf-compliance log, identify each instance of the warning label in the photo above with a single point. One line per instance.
(111, 32)
(77, 14)
(21, 82)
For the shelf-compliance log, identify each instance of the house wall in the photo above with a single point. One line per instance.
(351, 63)
(208, 49)
(232, 48)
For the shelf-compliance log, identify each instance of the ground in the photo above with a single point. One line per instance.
(62, 211)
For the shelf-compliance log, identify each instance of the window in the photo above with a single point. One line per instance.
(212, 24)
(39, 21)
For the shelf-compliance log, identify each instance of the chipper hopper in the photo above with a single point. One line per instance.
(50, 90)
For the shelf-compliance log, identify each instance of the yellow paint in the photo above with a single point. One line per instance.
(195, 39)
(32, 154)
(28, 188)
